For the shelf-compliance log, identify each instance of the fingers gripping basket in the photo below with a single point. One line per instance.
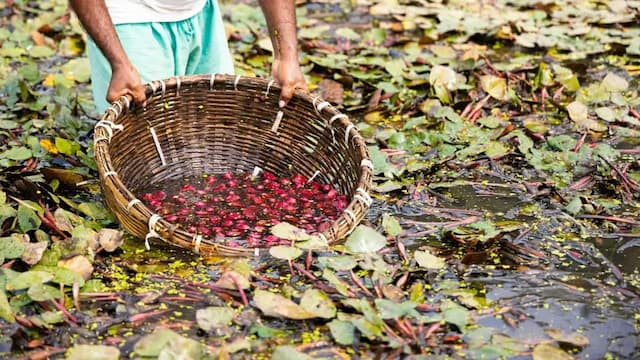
(196, 125)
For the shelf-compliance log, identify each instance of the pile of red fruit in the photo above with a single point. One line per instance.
(241, 208)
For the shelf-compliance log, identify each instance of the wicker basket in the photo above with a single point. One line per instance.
(196, 125)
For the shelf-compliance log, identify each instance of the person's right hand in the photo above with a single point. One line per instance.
(125, 80)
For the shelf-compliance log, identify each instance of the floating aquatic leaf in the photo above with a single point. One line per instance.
(42, 292)
(167, 344)
(318, 303)
(287, 352)
(428, 260)
(614, 83)
(214, 317)
(6, 312)
(67, 147)
(392, 310)
(17, 153)
(573, 339)
(338, 263)
(365, 240)
(110, 239)
(78, 264)
(33, 252)
(27, 279)
(391, 225)
(288, 231)
(455, 314)
(276, 305)
(343, 332)
(284, 252)
(579, 113)
(93, 352)
(495, 86)
(549, 352)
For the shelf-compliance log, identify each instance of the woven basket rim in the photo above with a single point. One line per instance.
(110, 123)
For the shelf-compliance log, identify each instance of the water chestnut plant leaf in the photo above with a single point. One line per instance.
(365, 239)
(427, 260)
(287, 352)
(93, 352)
(549, 352)
(284, 252)
(214, 317)
(28, 279)
(343, 332)
(318, 303)
(276, 305)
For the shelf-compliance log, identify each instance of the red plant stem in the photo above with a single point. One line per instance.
(392, 333)
(580, 142)
(304, 272)
(309, 260)
(608, 218)
(401, 326)
(394, 355)
(445, 225)
(581, 183)
(146, 315)
(634, 113)
(359, 284)
(466, 110)
(72, 319)
(432, 329)
(44, 354)
(403, 279)
(181, 299)
(243, 296)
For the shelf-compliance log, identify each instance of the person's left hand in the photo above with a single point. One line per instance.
(289, 75)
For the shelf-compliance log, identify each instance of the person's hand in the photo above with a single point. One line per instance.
(125, 80)
(289, 75)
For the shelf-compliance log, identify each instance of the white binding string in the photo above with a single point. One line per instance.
(235, 83)
(364, 196)
(177, 87)
(322, 105)
(102, 138)
(157, 143)
(256, 252)
(153, 220)
(108, 126)
(196, 243)
(315, 174)
(119, 107)
(346, 133)
(366, 163)
(212, 81)
(352, 216)
(276, 122)
(256, 171)
(336, 117)
(153, 87)
(126, 100)
(110, 173)
(132, 203)
(315, 99)
(266, 93)
(164, 87)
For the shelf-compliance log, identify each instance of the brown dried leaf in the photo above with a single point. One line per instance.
(331, 90)
(78, 264)
(110, 239)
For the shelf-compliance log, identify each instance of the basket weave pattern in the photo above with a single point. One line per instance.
(206, 124)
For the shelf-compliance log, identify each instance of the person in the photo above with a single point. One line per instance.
(131, 42)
